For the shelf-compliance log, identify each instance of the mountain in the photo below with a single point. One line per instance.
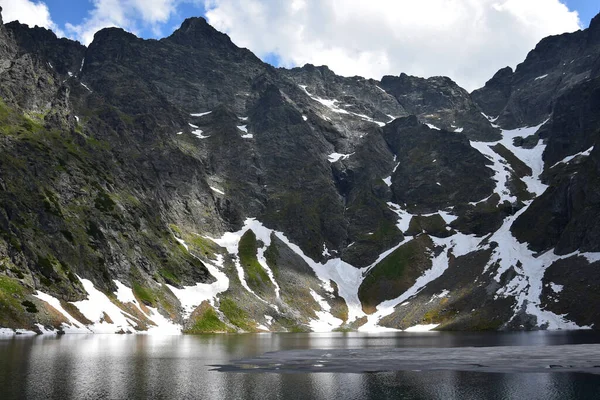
(183, 184)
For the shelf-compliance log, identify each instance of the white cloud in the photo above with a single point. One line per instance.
(28, 12)
(126, 14)
(468, 40)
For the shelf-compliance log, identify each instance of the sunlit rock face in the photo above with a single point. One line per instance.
(183, 185)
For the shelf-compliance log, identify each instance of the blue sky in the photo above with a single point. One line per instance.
(463, 39)
(64, 11)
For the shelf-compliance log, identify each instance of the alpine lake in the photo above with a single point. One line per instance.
(546, 365)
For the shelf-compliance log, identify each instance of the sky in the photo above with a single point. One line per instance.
(468, 40)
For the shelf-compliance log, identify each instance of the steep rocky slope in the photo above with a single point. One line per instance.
(183, 184)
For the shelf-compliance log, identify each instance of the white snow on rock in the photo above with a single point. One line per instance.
(199, 134)
(85, 86)
(248, 136)
(305, 118)
(388, 180)
(431, 126)
(441, 295)
(568, 159)
(214, 189)
(458, 244)
(332, 106)
(231, 241)
(459, 130)
(404, 217)
(243, 128)
(191, 297)
(55, 303)
(526, 286)
(421, 328)
(124, 294)
(97, 305)
(491, 119)
(21, 332)
(531, 157)
(182, 242)
(446, 216)
(500, 168)
(202, 114)
(334, 157)
(325, 322)
(540, 77)
(556, 288)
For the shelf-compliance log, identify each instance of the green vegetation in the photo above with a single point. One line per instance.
(433, 225)
(144, 294)
(202, 245)
(256, 276)
(395, 273)
(169, 276)
(272, 255)
(291, 325)
(13, 123)
(236, 315)
(11, 308)
(207, 321)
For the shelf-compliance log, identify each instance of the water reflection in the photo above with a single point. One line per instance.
(131, 367)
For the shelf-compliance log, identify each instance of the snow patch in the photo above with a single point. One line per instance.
(334, 157)
(214, 189)
(202, 114)
(55, 303)
(556, 288)
(422, 328)
(231, 241)
(540, 77)
(325, 322)
(199, 134)
(568, 159)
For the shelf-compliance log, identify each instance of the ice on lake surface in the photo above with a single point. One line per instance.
(505, 359)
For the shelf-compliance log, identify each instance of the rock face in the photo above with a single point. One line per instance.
(557, 64)
(436, 169)
(182, 183)
(439, 101)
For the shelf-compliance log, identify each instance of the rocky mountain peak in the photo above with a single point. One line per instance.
(113, 34)
(63, 54)
(197, 32)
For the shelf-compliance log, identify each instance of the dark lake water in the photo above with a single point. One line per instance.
(131, 367)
